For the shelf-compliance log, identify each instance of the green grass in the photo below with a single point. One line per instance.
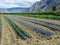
(45, 16)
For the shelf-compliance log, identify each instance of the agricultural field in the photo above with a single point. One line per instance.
(22, 29)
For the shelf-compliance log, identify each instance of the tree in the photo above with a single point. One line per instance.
(54, 8)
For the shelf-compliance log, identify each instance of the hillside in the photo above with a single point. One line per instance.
(14, 9)
(45, 5)
(18, 9)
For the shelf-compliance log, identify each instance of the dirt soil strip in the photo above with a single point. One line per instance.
(7, 35)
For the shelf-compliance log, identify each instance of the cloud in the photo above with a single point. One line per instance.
(8, 5)
(16, 3)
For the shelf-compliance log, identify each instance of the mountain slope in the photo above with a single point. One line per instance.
(45, 5)
(18, 9)
(14, 9)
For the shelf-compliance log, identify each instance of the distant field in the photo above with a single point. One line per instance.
(48, 15)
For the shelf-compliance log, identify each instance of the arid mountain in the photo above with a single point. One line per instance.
(18, 9)
(45, 5)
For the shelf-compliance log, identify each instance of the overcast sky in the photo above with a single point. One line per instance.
(16, 3)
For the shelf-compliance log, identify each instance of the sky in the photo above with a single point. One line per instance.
(16, 3)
